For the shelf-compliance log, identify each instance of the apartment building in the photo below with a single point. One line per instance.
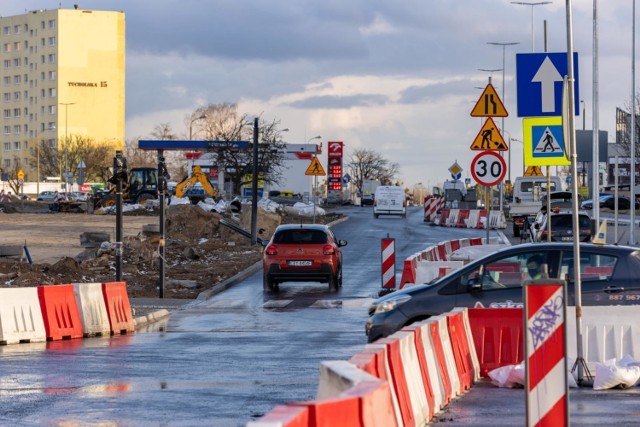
(61, 74)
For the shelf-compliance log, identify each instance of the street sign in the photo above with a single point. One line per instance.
(539, 79)
(455, 170)
(346, 178)
(489, 138)
(20, 174)
(533, 171)
(315, 168)
(489, 104)
(488, 168)
(544, 143)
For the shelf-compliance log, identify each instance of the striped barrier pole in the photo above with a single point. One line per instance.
(547, 402)
(388, 265)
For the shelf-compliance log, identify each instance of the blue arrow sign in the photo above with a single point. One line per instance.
(539, 83)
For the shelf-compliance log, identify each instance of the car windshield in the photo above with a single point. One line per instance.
(300, 236)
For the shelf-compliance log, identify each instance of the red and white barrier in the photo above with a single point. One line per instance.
(20, 316)
(431, 207)
(388, 263)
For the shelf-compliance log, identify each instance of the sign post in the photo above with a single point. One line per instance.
(315, 169)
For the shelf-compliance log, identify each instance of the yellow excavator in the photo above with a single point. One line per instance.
(187, 187)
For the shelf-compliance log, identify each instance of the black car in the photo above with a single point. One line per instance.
(607, 201)
(608, 277)
(561, 227)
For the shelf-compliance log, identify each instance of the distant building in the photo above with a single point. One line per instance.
(54, 62)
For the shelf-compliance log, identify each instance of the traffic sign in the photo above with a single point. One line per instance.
(489, 104)
(489, 138)
(488, 168)
(20, 174)
(533, 171)
(315, 168)
(544, 143)
(539, 78)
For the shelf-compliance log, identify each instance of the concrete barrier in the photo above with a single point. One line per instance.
(20, 316)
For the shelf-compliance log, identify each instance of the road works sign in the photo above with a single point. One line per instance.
(544, 143)
(533, 171)
(539, 83)
(489, 104)
(315, 168)
(489, 138)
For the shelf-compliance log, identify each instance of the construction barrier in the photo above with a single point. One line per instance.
(461, 350)
(283, 416)
(118, 307)
(388, 263)
(60, 312)
(431, 207)
(426, 271)
(497, 220)
(20, 316)
(444, 216)
(463, 215)
(93, 310)
(452, 218)
(430, 377)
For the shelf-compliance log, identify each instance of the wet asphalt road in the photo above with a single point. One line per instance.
(222, 362)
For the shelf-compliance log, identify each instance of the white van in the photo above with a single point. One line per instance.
(389, 200)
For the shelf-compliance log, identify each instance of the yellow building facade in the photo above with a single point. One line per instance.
(62, 73)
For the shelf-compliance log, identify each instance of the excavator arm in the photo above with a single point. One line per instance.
(186, 184)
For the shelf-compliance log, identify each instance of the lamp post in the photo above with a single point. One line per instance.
(501, 196)
(504, 100)
(191, 124)
(66, 140)
(254, 186)
(532, 4)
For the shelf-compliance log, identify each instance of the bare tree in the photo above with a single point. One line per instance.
(368, 164)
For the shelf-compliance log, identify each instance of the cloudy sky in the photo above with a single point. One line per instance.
(399, 77)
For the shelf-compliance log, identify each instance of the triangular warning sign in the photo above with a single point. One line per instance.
(533, 171)
(489, 104)
(489, 138)
(548, 143)
(315, 168)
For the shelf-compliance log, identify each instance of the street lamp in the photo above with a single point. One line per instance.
(532, 4)
(66, 140)
(504, 45)
(191, 124)
(487, 70)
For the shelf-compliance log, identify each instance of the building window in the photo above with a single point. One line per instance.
(6, 47)
(6, 80)
(16, 29)
(17, 45)
(52, 109)
(42, 60)
(16, 145)
(41, 93)
(17, 80)
(52, 41)
(26, 111)
(6, 97)
(6, 113)
(17, 62)
(42, 25)
(52, 58)
(16, 96)
(6, 31)
(7, 63)
(52, 75)
(42, 41)
(52, 23)
(42, 75)
(16, 129)
(52, 92)
(7, 147)
(52, 125)
(7, 130)
(16, 112)
(7, 162)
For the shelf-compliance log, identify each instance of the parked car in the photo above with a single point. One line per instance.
(80, 196)
(46, 196)
(561, 227)
(607, 276)
(303, 253)
(608, 201)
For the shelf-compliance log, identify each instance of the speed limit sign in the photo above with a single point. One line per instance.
(488, 168)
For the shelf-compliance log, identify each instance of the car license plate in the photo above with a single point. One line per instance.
(566, 238)
(300, 263)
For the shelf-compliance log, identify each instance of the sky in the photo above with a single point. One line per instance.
(398, 77)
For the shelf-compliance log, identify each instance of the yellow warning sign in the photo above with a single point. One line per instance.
(315, 168)
(533, 171)
(489, 104)
(489, 138)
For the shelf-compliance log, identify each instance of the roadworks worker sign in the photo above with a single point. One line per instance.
(544, 143)
(315, 168)
(489, 138)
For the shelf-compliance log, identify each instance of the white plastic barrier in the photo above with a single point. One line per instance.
(413, 375)
(387, 370)
(426, 271)
(497, 219)
(92, 308)
(607, 332)
(452, 370)
(437, 387)
(472, 346)
(337, 376)
(20, 316)
(452, 218)
(471, 253)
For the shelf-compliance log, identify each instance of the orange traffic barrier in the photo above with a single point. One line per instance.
(285, 416)
(498, 336)
(409, 271)
(394, 358)
(461, 351)
(475, 241)
(60, 312)
(372, 361)
(118, 307)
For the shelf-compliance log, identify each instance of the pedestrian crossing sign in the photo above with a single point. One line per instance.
(315, 168)
(544, 143)
(489, 138)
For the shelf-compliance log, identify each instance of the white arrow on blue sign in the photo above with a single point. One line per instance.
(539, 83)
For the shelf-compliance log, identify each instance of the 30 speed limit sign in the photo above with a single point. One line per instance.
(488, 168)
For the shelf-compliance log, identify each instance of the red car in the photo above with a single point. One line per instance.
(303, 253)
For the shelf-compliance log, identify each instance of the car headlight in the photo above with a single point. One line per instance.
(388, 304)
